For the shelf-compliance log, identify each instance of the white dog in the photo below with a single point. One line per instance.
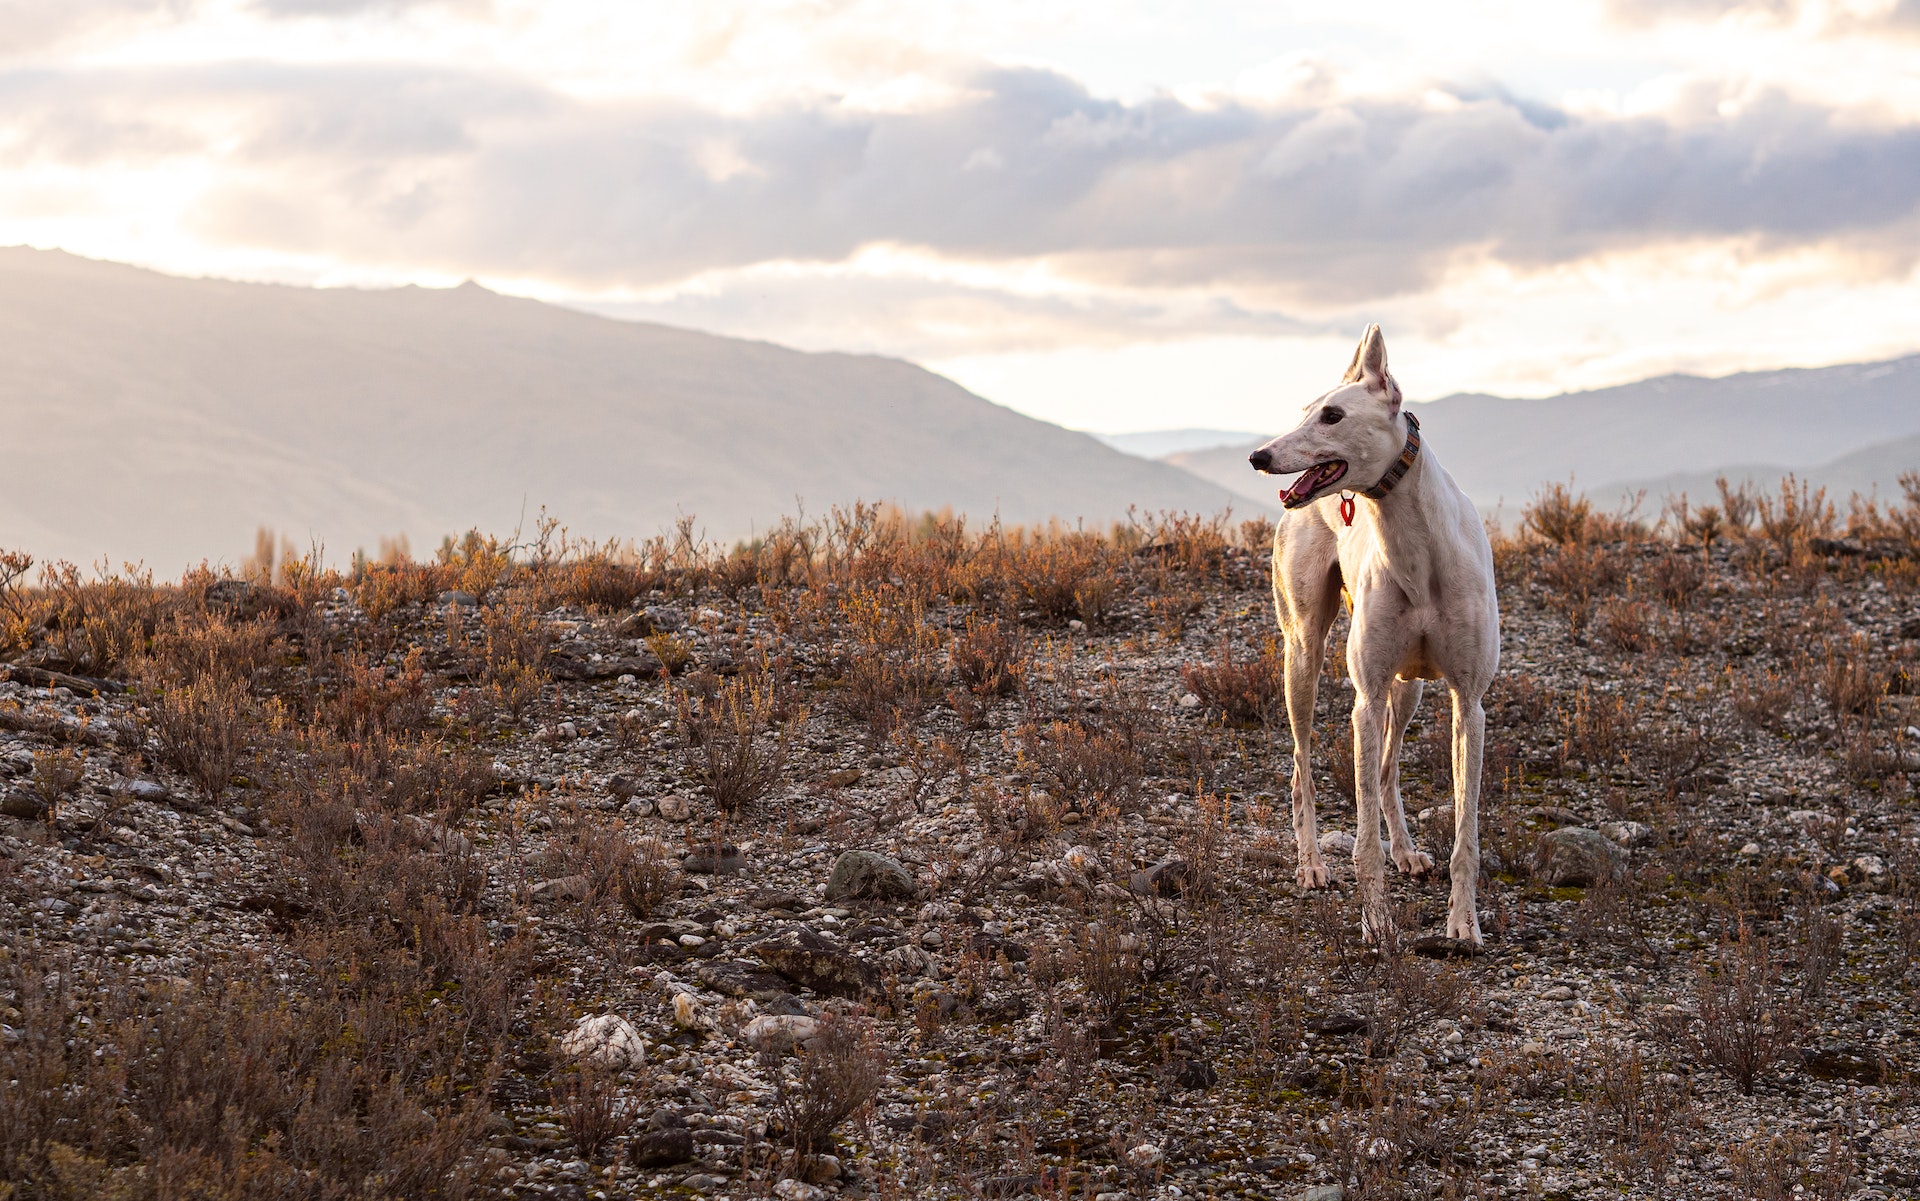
(1411, 555)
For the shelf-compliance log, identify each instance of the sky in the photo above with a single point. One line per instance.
(1114, 215)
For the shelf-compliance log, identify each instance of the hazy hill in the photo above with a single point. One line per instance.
(1872, 469)
(166, 419)
(1157, 444)
(1677, 428)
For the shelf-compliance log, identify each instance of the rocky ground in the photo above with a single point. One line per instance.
(916, 867)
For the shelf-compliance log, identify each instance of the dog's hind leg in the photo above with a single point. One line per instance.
(1371, 713)
(1402, 701)
(1469, 739)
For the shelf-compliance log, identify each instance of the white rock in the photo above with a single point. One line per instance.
(606, 1039)
(780, 1032)
(1628, 834)
(1189, 700)
(1337, 842)
(1085, 860)
(1537, 1152)
(1751, 850)
(674, 807)
(686, 1011)
(799, 1190)
(1146, 1155)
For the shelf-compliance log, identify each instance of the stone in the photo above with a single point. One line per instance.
(658, 1148)
(1337, 842)
(1321, 1192)
(715, 861)
(454, 596)
(674, 807)
(815, 962)
(1628, 834)
(1146, 1156)
(623, 787)
(858, 874)
(799, 1190)
(1167, 878)
(687, 1011)
(779, 1032)
(1439, 946)
(734, 979)
(25, 805)
(1575, 857)
(1870, 870)
(1559, 992)
(820, 1169)
(606, 1039)
(703, 1182)
(1196, 1073)
(1554, 816)
(1085, 860)
(564, 888)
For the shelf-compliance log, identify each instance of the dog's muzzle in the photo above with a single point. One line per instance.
(1261, 459)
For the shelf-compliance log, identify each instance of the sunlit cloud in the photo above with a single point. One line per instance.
(1543, 197)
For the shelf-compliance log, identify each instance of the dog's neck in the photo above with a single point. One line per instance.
(1403, 516)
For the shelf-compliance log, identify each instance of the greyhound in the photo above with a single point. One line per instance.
(1412, 558)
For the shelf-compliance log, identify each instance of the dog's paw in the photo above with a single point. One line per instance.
(1466, 929)
(1313, 875)
(1412, 862)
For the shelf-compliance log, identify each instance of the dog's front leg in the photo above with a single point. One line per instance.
(1405, 698)
(1370, 712)
(1469, 740)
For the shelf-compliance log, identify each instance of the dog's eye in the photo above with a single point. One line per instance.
(1331, 416)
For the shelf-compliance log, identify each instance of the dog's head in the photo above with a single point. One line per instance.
(1349, 436)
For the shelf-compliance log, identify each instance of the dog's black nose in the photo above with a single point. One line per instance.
(1261, 459)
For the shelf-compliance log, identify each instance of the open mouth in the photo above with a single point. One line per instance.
(1315, 479)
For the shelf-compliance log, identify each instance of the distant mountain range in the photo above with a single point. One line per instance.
(1850, 428)
(163, 419)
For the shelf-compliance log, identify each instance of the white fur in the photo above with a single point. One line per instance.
(1419, 574)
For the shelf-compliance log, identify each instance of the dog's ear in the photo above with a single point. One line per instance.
(1369, 366)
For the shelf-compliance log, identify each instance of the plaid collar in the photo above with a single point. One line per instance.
(1402, 465)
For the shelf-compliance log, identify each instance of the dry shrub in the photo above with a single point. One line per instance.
(1187, 542)
(640, 875)
(988, 659)
(381, 589)
(732, 725)
(1848, 677)
(838, 1074)
(1625, 624)
(1597, 728)
(599, 581)
(475, 564)
(1742, 1026)
(1411, 993)
(894, 669)
(94, 627)
(55, 775)
(1107, 962)
(1794, 517)
(1635, 1112)
(587, 1098)
(372, 700)
(1822, 938)
(202, 727)
(15, 606)
(1786, 1167)
(1676, 578)
(1066, 575)
(1558, 515)
(1096, 766)
(232, 1084)
(513, 656)
(1247, 692)
(1762, 698)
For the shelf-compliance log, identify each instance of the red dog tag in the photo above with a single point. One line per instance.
(1346, 509)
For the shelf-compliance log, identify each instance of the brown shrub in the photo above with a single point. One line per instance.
(840, 1072)
(733, 727)
(1249, 691)
(202, 727)
(987, 658)
(1624, 624)
(591, 1109)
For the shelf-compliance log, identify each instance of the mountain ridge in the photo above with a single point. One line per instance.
(206, 409)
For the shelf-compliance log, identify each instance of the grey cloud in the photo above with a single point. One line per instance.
(348, 8)
(1335, 203)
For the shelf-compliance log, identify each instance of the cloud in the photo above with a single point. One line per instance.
(1301, 204)
(1902, 16)
(36, 26)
